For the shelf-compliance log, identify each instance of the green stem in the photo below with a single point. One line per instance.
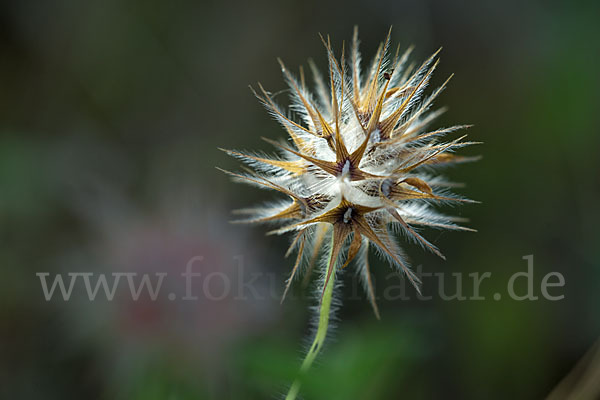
(317, 344)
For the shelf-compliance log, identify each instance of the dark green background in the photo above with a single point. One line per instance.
(110, 117)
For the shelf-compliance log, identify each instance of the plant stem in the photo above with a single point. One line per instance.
(317, 344)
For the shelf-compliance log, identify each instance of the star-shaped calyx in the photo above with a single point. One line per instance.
(348, 218)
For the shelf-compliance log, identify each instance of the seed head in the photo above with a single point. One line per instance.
(361, 163)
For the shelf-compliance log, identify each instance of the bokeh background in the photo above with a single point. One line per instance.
(111, 113)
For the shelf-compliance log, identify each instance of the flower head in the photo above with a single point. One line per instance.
(361, 163)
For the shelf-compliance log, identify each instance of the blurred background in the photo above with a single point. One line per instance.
(110, 117)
